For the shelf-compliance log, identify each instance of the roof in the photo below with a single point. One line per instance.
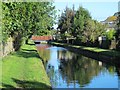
(41, 38)
(111, 18)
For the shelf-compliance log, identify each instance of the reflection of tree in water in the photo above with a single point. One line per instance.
(44, 53)
(54, 76)
(118, 72)
(74, 68)
(78, 68)
(111, 69)
(65, 55)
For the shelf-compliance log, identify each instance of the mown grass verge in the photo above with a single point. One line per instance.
(24, 69)
(107, 52)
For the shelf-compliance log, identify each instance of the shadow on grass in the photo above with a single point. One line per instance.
(30, 54)
(7, 85)
(30, 84)
(26, 53)
(29, 50)
(26, 85)
(30, 44)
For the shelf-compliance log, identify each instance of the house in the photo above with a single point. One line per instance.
(111, 22)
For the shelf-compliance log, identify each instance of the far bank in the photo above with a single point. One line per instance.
(105, 55)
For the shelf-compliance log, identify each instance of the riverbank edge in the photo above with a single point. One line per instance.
(27, 47)
(105, 55)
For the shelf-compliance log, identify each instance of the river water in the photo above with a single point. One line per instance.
(67, 69)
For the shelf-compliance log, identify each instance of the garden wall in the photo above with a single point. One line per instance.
(7, 47)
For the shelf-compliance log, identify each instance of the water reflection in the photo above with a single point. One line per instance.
(80, 69)
(118, 72)
(69, 70)
(44, 53)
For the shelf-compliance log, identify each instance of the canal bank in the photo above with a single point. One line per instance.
(67, 69)
(24, 69)
(104, 55)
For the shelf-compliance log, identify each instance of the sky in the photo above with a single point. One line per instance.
(99, 9)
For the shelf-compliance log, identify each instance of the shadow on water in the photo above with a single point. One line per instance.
(26, 85)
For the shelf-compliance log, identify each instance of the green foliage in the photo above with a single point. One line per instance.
(80, 25)
(110, 34)
(81, 16)
(66, 21)
(118, 32)
(24, 19)
(64, 36)
(92, 30)
(53, 32)
(28, 18)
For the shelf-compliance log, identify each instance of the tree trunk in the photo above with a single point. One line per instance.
(26, 42)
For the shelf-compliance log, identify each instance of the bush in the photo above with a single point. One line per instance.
(111, 34)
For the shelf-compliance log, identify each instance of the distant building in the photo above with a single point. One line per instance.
(111, 22)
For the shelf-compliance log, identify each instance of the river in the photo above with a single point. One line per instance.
(67, 69)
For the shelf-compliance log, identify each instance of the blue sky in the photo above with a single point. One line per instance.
(98, 10)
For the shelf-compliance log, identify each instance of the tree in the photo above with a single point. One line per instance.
(66, 21)
(93, 29)
(12, 22)
(80, 25)
(118, 32)
(81, 16)
(110, 34)
(21, 20)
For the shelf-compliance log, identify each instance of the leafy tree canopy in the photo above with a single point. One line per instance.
(24, 19)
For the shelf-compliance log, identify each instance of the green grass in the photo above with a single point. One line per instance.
(24, 69)
(108, 52)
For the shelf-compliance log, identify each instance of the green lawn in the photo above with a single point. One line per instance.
(24, 69)
(94, 49)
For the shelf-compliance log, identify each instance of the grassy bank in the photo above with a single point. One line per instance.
(107, 52)
(24, 69)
